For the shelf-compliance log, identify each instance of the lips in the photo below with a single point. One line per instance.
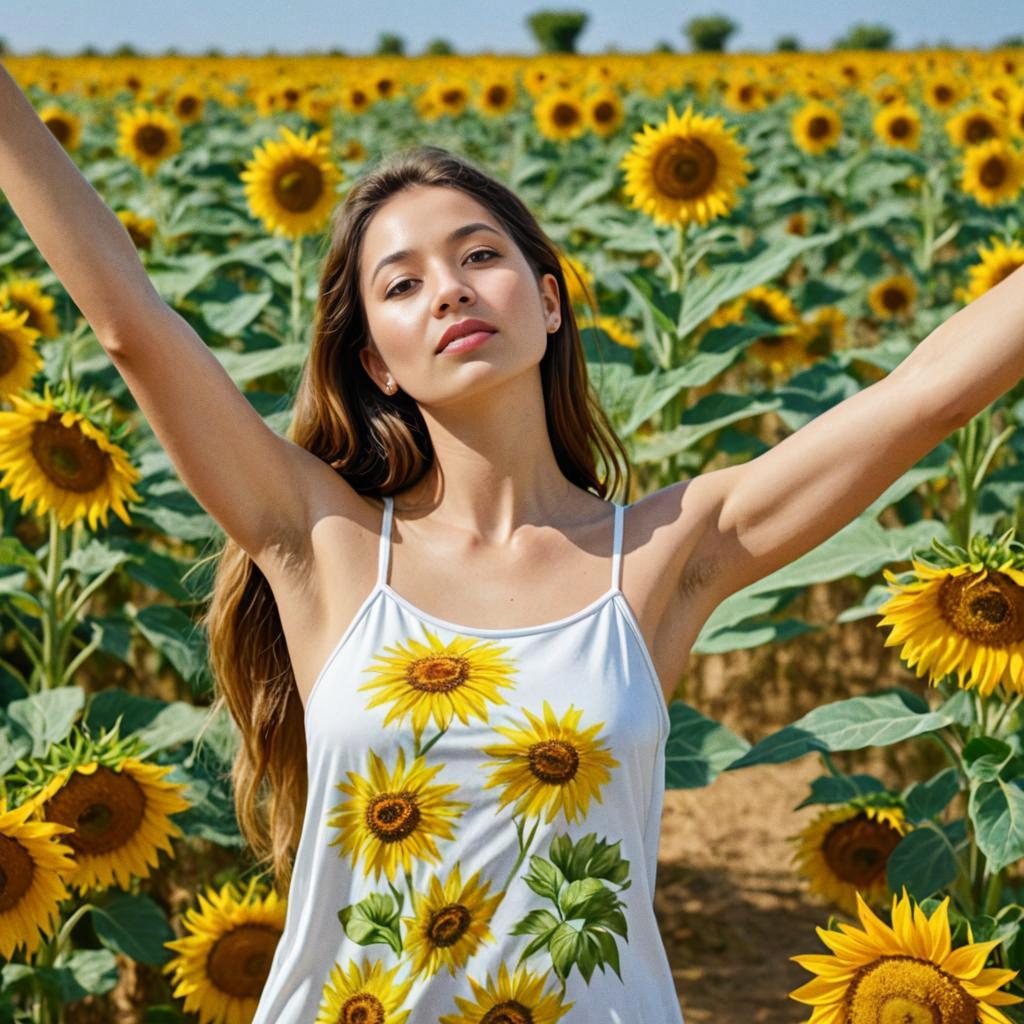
(461, 329)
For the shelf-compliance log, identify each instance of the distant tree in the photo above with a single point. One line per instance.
(557, 31)
(788, 44)
(865, 37)
(214, 52)
(710, 32)
(5, 47)
(613, 48)
(171, 51)
(439, 48)
(663, 46)
(336, 51)
(90, 50)
(1017, 40)
(389, 44)
(124, 50)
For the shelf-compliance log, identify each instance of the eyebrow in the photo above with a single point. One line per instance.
(401, 254)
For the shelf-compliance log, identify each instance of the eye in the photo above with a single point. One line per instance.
(393, 290)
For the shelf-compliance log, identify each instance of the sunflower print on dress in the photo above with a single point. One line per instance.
(392, 819)
(439, 682)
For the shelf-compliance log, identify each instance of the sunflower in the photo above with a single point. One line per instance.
(188, 103)
(845, 850)
(797, 223)
(604, 112)
(513, 998)
(140, 229)
(147, 137)
(904, 972)
(942, 91)
(450, 924)
(560, 114)
(574, 271)
(744, 95)
(993, 172)
(824, 332)
(962, 620)
(64, 126)
(888, 93)
(439, 681)
(352, 149)
(27, 296)
(119, 817)
(1015, 115)
(898, 124)
(391, 819)
(223, 961)
(318, 106)
(34, 865)
(975, 125)
(893, 297)
(291, 185)
(19, 361)
(355, 98)
(997, 264)
(496, 96)
(61, 460)
(550, 765)
(452, 97)
(688, 168)
(367, 994)
(783, 349)
(816, 127)
(616, 327)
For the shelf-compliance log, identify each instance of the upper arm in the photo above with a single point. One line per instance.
(257, 485)
(763, 514)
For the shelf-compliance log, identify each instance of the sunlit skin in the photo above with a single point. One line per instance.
(484, 408)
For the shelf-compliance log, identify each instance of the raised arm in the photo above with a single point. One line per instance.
(256, 484)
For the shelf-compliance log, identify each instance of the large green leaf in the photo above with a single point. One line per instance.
(923, 861)
(877, 720)
(133, 924)
(697, 748)
(997, 810)
(47, 716)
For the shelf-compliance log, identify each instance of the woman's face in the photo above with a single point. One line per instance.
(441, 276)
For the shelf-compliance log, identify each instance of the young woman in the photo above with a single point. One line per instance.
(447, 651)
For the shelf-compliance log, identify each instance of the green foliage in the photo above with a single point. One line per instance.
(439, 48)
(557, 31)
(390, 44)
(864, 36)
(788, 44)
(709, 33)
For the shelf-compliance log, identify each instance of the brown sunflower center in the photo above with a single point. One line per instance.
(188, 105)
(978, 129)
(71, 460)
(565, 115)
(993, 172)
(393, 817)
(448, 924)
(905, 990)
(362, 1008)
(1004, 271)
(894, 299)
(819, 127)
(452, 97)
(138, 235)
(59, 129)
(604, 112)
(359, 98)
(943, 94)
(747, 93)
(291, 96)
(685, 169)
(16, 872)
(857, 850)
(239, 961)
(989, 611)
(151, 139)
(385, 86)
(298, 186)
(8, 354)
(554, 761)
(900, 127)
(105, 809)
(497, 94)
(509, 1011)
(438, 674)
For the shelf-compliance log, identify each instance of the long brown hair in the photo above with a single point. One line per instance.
(381, 446)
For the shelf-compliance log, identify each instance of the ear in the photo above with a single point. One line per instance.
(373, 364)
(550, 301)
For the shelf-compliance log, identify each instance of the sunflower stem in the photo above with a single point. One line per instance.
(296, 287)
(928, 221)
(50, 673)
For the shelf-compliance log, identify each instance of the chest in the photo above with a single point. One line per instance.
(318, 602)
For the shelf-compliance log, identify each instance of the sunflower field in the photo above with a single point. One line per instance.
(748, 240)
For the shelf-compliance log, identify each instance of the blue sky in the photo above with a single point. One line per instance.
(472, 26)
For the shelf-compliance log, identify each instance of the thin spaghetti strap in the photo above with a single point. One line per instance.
(617, 547)
(385, 540)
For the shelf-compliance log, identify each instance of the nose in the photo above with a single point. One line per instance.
(452, 290)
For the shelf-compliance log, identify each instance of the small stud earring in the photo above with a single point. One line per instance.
(390, 386)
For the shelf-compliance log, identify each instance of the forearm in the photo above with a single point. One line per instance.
(77, 234)
(976, 355)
